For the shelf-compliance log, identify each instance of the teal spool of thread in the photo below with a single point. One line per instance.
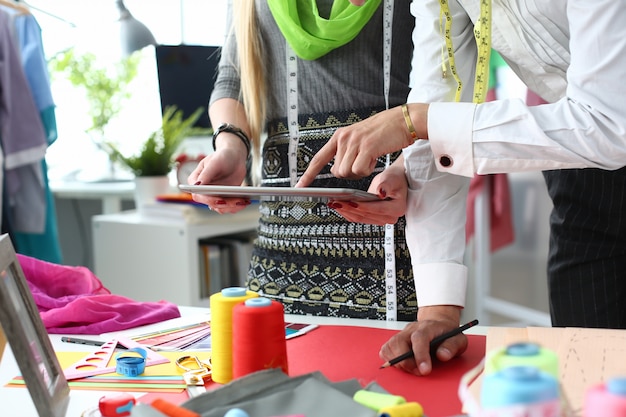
(523, 354)
(518, 385)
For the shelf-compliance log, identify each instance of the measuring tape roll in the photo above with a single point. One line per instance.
(482, 35)
(131, 365)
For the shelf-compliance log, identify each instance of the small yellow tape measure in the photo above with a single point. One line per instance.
(482, 34)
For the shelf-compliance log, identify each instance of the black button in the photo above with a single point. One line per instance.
(445, 161)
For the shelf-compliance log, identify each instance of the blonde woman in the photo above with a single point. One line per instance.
(293, 71)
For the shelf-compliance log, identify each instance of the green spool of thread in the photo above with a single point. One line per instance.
(523, 354)
(376, 400)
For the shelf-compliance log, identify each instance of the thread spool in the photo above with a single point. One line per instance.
(236, 412)
(523, 354)
(514, 385)
(606, 400)
(258, 337)
(221, 305)
(411, 409)
(377, 400)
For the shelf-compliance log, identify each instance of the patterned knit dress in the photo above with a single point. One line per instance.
(307, 255)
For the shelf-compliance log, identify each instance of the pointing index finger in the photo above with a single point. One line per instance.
(319, 161)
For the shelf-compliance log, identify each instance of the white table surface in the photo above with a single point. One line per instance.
(16, 402)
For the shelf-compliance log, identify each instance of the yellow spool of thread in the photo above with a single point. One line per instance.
(411, 409)
(221, 305)
(377, 400)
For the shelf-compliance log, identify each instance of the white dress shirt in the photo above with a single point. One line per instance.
(570, 52)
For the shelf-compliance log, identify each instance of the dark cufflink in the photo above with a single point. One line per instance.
(445, 161)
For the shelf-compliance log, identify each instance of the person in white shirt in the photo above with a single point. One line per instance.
(572, 53)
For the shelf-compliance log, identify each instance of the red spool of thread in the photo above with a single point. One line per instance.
(258, 336)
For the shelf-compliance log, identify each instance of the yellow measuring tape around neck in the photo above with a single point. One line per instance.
(482, 34)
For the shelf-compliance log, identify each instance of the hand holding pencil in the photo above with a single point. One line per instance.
(433, 345)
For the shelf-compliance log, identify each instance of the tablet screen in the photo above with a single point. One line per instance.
(282, 193)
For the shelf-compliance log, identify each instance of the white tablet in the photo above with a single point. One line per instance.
(282, 193)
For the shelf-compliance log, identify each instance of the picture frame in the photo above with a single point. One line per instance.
(28, 338)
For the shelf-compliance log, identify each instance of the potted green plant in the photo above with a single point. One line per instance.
(156, 157)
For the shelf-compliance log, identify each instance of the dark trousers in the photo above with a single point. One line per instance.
(587, 258)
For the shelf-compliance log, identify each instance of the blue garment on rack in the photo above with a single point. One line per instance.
(43, 245)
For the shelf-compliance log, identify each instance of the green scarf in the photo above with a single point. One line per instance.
(311, 36)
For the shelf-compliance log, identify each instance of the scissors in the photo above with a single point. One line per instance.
(195, 374)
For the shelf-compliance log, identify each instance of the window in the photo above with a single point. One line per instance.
(92, 26)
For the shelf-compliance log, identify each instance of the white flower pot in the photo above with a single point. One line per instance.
(148, 188)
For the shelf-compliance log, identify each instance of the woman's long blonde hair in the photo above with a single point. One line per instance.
(252, 71)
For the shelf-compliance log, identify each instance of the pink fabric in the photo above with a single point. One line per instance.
(71, 299)
(532, 99)
(500, 211)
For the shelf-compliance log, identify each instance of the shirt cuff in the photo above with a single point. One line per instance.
(440, 284)
(450, 135)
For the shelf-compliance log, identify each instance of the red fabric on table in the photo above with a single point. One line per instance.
(348, 352)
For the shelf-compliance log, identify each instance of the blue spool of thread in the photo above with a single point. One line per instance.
(236, 412)
(617, 386)
(518, 385)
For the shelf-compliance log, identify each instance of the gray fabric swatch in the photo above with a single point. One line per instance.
(273, 393)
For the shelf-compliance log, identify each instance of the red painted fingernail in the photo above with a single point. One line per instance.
(220, 202)
(353, 204)
(383, 193)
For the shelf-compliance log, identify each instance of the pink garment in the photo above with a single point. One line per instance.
(71, 299)
(533, 99)
(500, 211)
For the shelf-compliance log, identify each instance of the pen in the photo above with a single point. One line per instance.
(433, 343)
(87, 342)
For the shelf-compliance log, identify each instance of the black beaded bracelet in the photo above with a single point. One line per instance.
(228, 128)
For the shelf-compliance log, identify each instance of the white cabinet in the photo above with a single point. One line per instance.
(158, 258)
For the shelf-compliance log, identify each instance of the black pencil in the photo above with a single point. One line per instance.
(433, 343)
(87, 342)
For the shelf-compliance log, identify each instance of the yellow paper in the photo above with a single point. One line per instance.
(67, 359)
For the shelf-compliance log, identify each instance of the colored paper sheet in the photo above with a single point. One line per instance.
(96, 383)
(175, 338)
(345, 352)
(66, 359)
(162, 378)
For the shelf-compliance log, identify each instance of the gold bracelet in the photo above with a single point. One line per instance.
(409, 123)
